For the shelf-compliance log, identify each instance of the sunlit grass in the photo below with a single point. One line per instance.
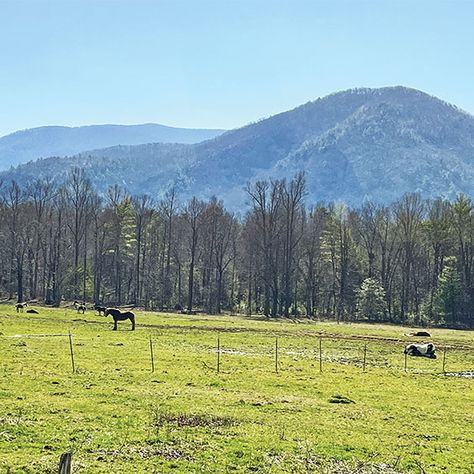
(119, 417)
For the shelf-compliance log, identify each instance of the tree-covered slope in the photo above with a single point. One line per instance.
(353, 145)
(34, 143)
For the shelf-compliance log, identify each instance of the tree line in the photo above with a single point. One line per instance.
(410, 262)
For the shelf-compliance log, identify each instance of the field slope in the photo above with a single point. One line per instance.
(120, 417)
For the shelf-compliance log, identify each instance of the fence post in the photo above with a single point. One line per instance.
(444, 359)
(406, 361)
(72, 353)
(65, 463)
(365, 357)
(152, 356)
(218, 354)
(320, 354)
(276, 354)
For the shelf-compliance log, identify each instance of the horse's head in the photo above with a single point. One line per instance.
(107, 312)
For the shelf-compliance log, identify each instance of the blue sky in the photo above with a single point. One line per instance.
(221, 63)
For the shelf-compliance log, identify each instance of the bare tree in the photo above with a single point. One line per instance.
(193, 217)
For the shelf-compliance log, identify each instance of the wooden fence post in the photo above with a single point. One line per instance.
(65, 463)
(444, 359)
(365, 357)
(406, 361)
(218, 354)
(276, 354)
(72, 353)
(320, 354)
(152, 356)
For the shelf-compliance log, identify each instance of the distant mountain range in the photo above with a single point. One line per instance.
(354, 145)
(26, 145)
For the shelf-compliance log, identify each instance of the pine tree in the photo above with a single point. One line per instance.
(371, 303)
(448, 297)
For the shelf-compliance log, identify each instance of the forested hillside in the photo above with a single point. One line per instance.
(354, 146)
(411, 261)
(41, 142)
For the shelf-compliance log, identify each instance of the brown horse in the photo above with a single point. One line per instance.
(119, 316)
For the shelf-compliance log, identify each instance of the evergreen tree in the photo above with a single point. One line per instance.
(371, 303)
(448, 297)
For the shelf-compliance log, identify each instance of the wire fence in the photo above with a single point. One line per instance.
(225, 352)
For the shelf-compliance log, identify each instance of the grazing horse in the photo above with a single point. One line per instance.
(100, 309)
(80, 307)
(119, 316)
(19, 307)
(421, 350)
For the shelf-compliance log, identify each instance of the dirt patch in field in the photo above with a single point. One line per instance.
(166, 451)
(340, 399)
(305, 460)
(234, 352)
(11, 420)
(469, 374)
(182, 420)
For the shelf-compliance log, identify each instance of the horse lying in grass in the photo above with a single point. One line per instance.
(119, 316)
(421, 350)
(419, 334)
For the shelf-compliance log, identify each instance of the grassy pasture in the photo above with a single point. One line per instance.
(119, 417)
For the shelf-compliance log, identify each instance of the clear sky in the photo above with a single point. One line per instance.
(221, 63)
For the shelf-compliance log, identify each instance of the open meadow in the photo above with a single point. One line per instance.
(120, 417)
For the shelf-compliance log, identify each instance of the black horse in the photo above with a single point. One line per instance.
(119, 316)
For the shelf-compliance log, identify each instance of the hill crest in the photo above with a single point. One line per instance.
(353, 145)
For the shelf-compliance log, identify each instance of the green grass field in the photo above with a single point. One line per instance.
(119, 417)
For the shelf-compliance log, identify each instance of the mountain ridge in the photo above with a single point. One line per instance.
(353, 145)
(56, 140)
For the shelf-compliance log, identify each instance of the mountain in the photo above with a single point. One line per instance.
(354, 145)
(25, 145)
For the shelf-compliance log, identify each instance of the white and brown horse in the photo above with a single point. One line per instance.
(421, 350)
